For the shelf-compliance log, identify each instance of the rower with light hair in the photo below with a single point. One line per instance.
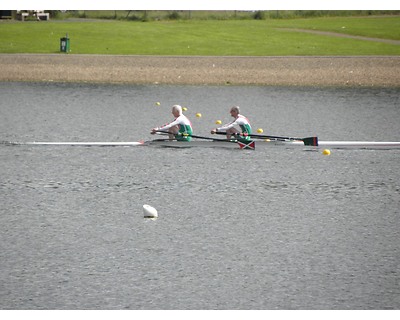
(179, 129)
(240, 121)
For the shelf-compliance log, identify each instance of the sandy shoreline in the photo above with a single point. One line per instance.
(383, 71)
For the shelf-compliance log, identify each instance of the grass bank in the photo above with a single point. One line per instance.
(151, 15)
(268, 37)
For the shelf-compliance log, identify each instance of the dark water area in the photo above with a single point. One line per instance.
(274, 228)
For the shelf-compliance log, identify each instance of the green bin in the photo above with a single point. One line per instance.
(64, 44)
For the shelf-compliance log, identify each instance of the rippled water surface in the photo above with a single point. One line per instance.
(275, 228)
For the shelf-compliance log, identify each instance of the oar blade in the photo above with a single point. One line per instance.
(310, 141)
(247, 144)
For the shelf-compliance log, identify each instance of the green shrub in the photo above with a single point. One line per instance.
(174, 16)
(259, 15)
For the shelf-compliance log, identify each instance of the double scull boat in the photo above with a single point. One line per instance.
(280, 143)
(223, 143)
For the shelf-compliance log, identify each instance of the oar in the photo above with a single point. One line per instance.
(206, 138)
(242, 144)
(194, 136)
(309, 141)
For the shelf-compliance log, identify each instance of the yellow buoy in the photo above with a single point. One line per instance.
(259, 130)
(198, 115)
(218, 122)
(326, 152)
(158, 104)
(184, 109)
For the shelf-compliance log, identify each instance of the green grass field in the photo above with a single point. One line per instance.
(203, 37)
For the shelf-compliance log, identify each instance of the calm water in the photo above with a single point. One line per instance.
(267, 229)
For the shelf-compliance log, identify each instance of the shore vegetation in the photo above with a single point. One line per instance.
(259, 33)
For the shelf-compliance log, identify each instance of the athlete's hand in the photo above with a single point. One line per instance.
(213, 131)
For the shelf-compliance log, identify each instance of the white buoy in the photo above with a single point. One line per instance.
(149, 211)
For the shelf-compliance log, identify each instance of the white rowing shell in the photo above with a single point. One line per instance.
(105, 144)
(227, 144)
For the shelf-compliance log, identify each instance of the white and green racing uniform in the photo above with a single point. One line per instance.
(240, 121)
(185, 128)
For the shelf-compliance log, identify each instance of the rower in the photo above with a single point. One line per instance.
(241, 121)
(179, 129)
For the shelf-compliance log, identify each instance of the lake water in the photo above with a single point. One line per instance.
(275, 228)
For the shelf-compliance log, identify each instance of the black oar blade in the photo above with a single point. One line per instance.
(310, 141)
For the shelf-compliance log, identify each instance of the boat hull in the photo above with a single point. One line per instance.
(359, 144)
(259, 144)
(278, 143)
(84, 144)
(194, 143)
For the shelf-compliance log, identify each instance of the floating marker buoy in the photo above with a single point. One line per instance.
(218, 122)
(157, 103)
(184, 109)
(198, 115)
(259, 130)
(149, 211)
(326, 152)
